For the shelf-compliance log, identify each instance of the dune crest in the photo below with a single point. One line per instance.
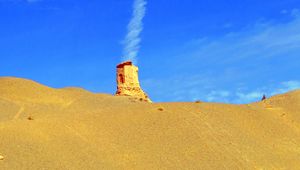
(74, 129)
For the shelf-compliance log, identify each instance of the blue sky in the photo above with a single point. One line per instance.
(229, 51)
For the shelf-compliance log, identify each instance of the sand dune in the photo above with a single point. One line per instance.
(70, 128)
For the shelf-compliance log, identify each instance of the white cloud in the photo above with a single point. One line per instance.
(242, 96)
(234, 61)
(295, 12)
(220, 96)
(135, 27)
(265, 39)
(287, 86)
(284, 11)
(202, 88)
(248, 97)
(256, 95)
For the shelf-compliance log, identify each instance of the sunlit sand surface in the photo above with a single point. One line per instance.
(73, 129)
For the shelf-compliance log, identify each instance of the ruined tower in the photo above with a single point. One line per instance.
(128, 82)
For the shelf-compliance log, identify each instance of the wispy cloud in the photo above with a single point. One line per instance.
(220, 95)
(286, 86)
(265, 39)
(202, 87)
(238, 67)
(135, 27)
(245, 96)
(256, 95)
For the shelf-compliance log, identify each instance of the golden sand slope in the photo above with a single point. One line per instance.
(45, 128)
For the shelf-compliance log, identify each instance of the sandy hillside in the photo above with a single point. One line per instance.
(66, 129)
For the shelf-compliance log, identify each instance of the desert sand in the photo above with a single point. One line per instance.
(73, 129)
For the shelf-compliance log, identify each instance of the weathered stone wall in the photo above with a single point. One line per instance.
(128, 82)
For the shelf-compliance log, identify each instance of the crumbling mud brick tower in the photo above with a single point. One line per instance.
(128, 82)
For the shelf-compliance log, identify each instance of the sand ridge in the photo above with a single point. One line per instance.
(72, 128)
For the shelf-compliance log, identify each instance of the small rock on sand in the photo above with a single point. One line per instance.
(1, 157)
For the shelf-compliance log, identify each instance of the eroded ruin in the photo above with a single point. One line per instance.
(128, 82)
